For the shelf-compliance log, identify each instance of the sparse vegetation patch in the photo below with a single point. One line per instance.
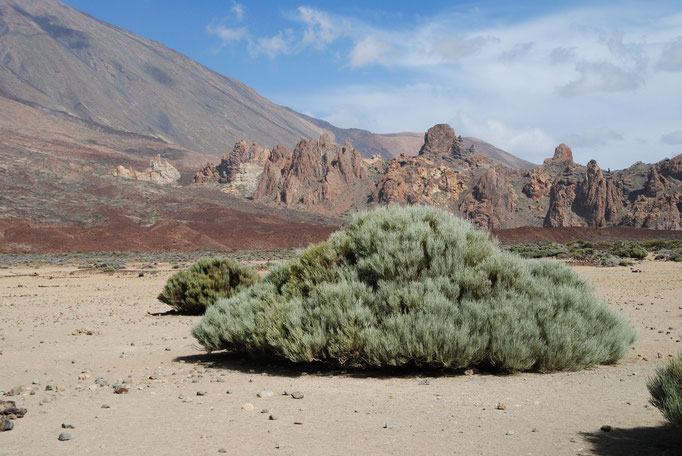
(666, 390)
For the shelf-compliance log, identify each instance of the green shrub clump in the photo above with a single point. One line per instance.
(631, 250)
(194, 290)
(666, 390)
(419, 286)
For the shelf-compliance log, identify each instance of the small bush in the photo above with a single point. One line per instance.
(666, 390)
(625, 263)
(419, 286)
(631, 250)
(194, 290)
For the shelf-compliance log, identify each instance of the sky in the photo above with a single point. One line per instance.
(603, 77)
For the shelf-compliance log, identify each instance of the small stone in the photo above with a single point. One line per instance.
(36, 382)
(141, 274)
(297, 395)
(16, 391)
(228, 392)
(659, 355)
(510, 432)
(68, 426)
(105, 406)
(265, 393)
(606, 428)
(202, 393)
(272, 417)
(220, 380)
(187, 399)
(388, 426)
(300, 423)
(167, 349)
(425, 382)
(6, 425)
(49, 388)
(121, 390)
(501, 406)
(64, 436)
(469, 372)
(534, 430)
(222, 450)
(247, 406)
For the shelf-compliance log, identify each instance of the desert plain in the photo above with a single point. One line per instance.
(68, 336)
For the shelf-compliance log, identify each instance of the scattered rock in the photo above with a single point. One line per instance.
(68, 426)
(222, 450)
(247, 406)
(272, 417)
(388, 426)
(265, 393)
(9, 409)
(510, 432)
(425, 382)
(16, 391)
(202, 393)
(501, 406)
(64, 436)
(297, 395)
(121, 390)
(6, 425)
(606, 428)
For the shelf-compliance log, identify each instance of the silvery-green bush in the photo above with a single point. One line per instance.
(419, 286)
(666, 390)
(194, 290)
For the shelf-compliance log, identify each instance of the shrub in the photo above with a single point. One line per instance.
(194, 290)
(631, 250)
(419, 286)
(666, 390)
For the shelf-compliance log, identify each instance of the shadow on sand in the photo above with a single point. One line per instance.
(246, 364)
(640, 441)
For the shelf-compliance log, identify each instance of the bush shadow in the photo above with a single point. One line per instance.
(274, 366)
(641, 441)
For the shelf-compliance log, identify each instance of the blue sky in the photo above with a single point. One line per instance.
(603, 77)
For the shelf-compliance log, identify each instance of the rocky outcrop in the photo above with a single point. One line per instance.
(239, 172)
(324, 177)
(492, 201)
(538, 186)
(413, 180)
(160, 172)
(584, 199)
(318, 173)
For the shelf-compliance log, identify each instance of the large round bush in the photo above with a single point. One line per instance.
(666, 390)
(419, 286)
(194, 290)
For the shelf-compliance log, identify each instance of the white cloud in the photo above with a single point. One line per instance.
(518, 51)
(226, 34)
(561, 54)
(671, 57)
(369, 51)
(601, 77)
(272, 46)
(674, 138)
(238, 10)
(599, 136)
(320, 29)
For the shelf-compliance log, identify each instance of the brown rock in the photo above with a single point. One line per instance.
(492, 201)
(160, 172)
(538, 186)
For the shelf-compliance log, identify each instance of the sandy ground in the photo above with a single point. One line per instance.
(152, 354)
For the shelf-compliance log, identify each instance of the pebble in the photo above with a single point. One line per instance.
(272, 417)
(49, 388)
(222, 450)
(425, 382)
(121, 390)
(501, 406)
(265, 393)
(105, 406)
(297, 395)
(202, 393)
(6, 425)
(606, 428)
(247, 406)
(228, 392)
(68, 426)
(510, 432)
(64, 436)
(388, 426)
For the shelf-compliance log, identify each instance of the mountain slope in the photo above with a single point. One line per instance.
(60, 59)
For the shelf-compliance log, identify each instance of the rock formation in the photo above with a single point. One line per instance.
(160, 172)
(318, 173)
(327, 178)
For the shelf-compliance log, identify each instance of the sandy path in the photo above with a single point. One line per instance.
(342, 413)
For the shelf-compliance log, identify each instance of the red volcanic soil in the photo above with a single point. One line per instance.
(218, 228)
(568, 234)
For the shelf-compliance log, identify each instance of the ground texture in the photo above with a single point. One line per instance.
(82, 331)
